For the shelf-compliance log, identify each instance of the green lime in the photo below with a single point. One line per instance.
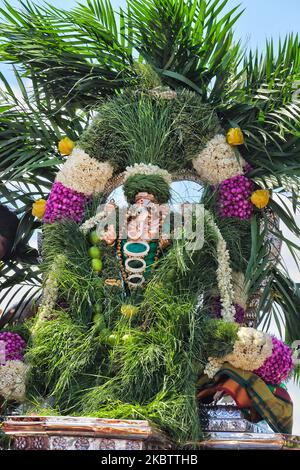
(94, 239)
(127, 338)
(94, 252)
(112, 339)
(97, 265)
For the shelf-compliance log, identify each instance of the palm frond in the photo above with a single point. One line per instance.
(75, 56)
(189, 43)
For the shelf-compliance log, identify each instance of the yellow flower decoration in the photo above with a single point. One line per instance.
(38, 208)
(260, 198)
(65, 146)
(235, 136)
(129, 311)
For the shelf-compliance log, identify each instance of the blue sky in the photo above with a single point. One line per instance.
(262, 19)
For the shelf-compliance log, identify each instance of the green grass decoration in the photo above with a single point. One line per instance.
(139, 128)
(152, 184)
(219, 337)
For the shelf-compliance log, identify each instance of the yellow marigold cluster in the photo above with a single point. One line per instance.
(218, 161)
(84, 174)
(13, 381)
(260, 198)
(65, 146)
(38, 208)
(235, 136)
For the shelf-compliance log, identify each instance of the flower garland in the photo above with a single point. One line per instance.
(239, 315)
(89, 224)
(84, 174)
(14, 346)
(240, 296)
(218, 161)
(234, 197)
(64, 203)
(13, 376)
(144, 169)
(213, 366)
(278, 366)
(224, 274)
(259, 353)
(251, 349)
(50, 292)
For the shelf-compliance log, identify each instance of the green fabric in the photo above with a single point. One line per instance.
(277, 412)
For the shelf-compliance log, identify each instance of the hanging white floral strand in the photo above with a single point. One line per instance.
(224, 273)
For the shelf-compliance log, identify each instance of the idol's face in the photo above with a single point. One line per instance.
(3, 246)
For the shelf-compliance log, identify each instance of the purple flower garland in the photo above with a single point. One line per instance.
(278, 366)
(64, 203)
(234, 197)
(14, 346)
(217, 309)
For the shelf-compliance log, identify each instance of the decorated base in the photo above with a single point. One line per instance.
(227, 429)
(69, 433)
(248, 441)
(228, 418)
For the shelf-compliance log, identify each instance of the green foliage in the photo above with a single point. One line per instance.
(129, 130)
(280, 301)
(154, 373)
(4, 440)
(219, 337)
(79, 62)
(176, 414)
(260, 100)
(75, 57)
(60, 352)
(79, 287)
(146, 78)
(152, 184)
(196, 122)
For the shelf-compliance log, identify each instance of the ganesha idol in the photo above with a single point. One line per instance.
(143, 231)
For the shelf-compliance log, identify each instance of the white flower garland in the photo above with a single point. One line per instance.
(250, 351)
(143, 169)
(224, 274)
(13, 380)
(218, 161)
(84, 174)
(92, 222)
(213, 366)
(50, 291)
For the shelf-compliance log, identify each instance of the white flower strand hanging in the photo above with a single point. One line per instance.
(224, 273)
